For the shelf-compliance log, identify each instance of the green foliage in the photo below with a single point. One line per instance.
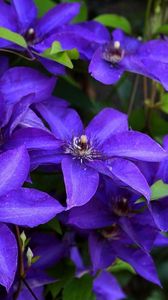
(121, 265)
(164, 103)
(163, 29)
(12, 37)
(114, 21)
(79, 289)
(159, 190)
(44, 7)
(57, 54)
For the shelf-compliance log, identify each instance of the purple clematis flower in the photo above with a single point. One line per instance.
(21, 17)
(18, 82)
(121, 53)
(16, 208)
(118, 228)
(105, 146)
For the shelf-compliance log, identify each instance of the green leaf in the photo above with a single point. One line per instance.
(12, 37)
(79, 289)
(163, 29)
(73, 53)
(164, 103)
(57, 54)
(44, 6)
(159, 190)
(55, 48)
(120, 266)
(114, 21)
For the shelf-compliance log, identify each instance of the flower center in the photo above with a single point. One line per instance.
(113, 52)
(30, 35)
(81, 148)
(111, 232)
(121, 207)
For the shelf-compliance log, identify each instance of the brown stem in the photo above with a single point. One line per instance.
(20, 263)
(134, 90)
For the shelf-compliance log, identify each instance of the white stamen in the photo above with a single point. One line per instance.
(31, 31)
(117, 45)
(83, 139)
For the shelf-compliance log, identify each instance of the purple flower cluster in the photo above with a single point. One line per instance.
(106, 166)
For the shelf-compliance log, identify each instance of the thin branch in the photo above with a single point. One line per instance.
(20, 263)
(132, 99)
(29, 288)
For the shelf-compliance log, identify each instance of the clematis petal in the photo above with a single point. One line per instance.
(106, 287)
(4, 62)
(123, 172)
(14, 169)
(55, 17)
(28, 207)
(81, 182)
(18, 82)
(85, 36)
(33, 138)
(129, 44)
(128, 173)
(134, 145)
(8, 17)
(30, 119)
(108, 122)
(159, 210)
(25, 294)
(157, 70)
(103, 71)
(26, 12)
(100, 252)
(44, 157)
(8, 256)
(53, 67)
(93, 215)
(139, 260)
(64, 123)
(19, 110)
(142, 235)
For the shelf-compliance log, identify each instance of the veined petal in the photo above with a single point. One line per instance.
(52, 66)
(33, 138)
(123, 171)
(26, 12)
(8, 256)
(64, 123)
(44, 157)
(128, 173)
(106, 287)
(103, 71)
(57, 16)
(136, 145)
(101, 253)
(14, 169)
(81, 182)
(18, 82)
(159, 210)
(28, 207)
(8, 17)
(108, 122)
(139, 260)
(93, 215)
